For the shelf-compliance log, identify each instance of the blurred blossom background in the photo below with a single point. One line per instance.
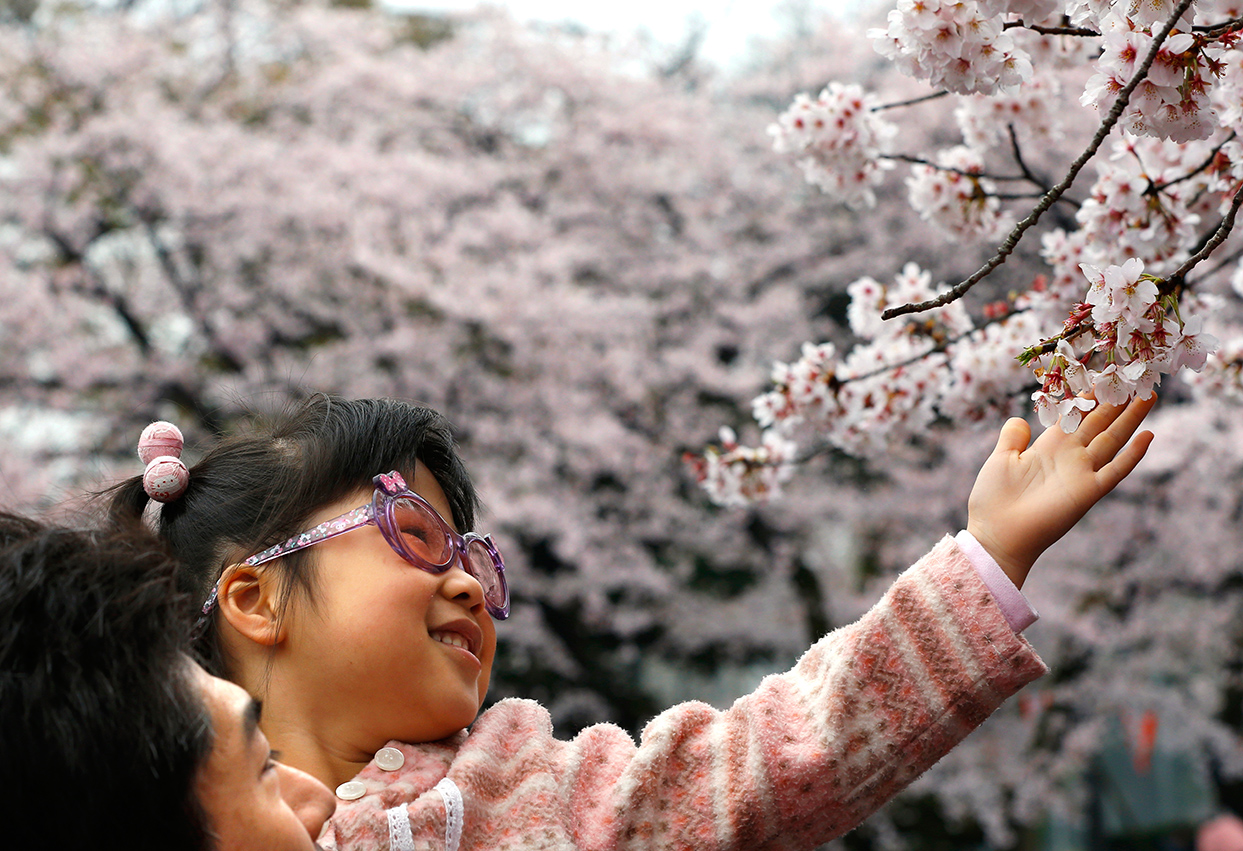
(564, 226)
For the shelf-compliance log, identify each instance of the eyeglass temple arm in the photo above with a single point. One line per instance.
(347, 522)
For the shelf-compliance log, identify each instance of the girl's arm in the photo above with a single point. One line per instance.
(813, 752)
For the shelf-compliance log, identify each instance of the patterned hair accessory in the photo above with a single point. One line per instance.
(166, 476)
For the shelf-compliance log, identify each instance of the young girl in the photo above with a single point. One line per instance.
(343, 588)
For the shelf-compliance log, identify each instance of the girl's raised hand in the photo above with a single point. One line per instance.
(1027, 497)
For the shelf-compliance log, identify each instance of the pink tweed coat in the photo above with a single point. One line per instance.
(804, 758)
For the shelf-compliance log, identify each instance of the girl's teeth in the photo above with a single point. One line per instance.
(451, 638)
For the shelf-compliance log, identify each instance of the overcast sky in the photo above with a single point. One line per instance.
(731, 23)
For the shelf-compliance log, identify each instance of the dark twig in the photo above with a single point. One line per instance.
(1219, 236)
(910, 102)
(1208, 161)
(1050, 344)
(1043, 30)
(939, 348)
(1022, 164)
(1218, 30)
(1012, 240)
(905, 158)
(1229, 260)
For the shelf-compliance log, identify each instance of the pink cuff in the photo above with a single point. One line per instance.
(1014, 606)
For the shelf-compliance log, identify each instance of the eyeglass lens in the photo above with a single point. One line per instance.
(484, 569)
(421, 531)
(425, 537)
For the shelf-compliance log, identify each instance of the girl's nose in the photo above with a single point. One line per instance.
(311, 801)
(460, 585)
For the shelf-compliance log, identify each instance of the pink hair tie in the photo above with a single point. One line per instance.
(166, 476)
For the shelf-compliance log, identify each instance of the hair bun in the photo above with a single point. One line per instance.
(165, 478)
(160, 438)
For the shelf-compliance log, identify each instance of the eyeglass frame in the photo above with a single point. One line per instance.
(389, 487)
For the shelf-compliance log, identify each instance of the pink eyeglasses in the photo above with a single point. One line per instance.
(416, 532)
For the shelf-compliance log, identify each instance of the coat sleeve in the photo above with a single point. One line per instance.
(814, 751)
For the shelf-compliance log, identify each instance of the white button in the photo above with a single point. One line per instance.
(390, 759)
(351, 790)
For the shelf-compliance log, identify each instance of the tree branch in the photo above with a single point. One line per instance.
(1022, 164)
(1218, 237)
(1228, 260)
(905, 158)
(1012, 240)
(1043, 30)
(910, 102)
(1198, 169)
(1218, 30)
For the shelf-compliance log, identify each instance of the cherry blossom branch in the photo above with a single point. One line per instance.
(1045, 30)
(1202, 167)
(938, 348)
(1218, 30)
(911, 102)
(906, 158)
(1168, 285)
(1015, 235)
(1045, 347)
(1219, 236)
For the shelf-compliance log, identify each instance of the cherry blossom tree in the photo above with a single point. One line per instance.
(1135, 276)
(578, 260)
(1124, 290)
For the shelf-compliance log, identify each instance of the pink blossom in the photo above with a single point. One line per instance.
(838, 141)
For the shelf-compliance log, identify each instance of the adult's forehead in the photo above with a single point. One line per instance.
(227, 703)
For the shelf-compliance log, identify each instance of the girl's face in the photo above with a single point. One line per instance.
(387, 651)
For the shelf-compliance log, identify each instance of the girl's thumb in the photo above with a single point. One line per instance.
(1014, 436)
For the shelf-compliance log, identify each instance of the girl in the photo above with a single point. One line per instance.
(343, 588)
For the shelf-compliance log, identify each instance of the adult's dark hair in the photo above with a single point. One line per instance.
(258, 487)
(102, 729)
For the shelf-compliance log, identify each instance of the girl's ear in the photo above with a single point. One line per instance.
(248, 601)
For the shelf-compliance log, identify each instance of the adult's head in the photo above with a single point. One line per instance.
(109, 733)
(259, 486)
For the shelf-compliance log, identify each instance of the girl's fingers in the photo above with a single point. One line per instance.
(1121, 466)
(1121, 424)
(1097, 420)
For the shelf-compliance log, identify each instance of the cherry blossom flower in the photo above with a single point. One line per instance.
(955, 199)
(838, 140)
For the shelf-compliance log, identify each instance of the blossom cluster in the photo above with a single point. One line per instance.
(1034, 111)
(1172, 102)
(955, 198)
(738, 475)
(958, 45)
(1222, 376)
(839, 141)
(1137, 335)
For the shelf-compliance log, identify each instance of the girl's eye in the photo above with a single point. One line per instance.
(416, 529)
(420, 530)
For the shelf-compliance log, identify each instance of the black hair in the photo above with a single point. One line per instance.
(257, 488)
(102, 729)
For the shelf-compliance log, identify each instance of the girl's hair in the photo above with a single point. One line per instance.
(259, 486)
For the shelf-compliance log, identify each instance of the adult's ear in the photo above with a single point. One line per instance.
(248, 602)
